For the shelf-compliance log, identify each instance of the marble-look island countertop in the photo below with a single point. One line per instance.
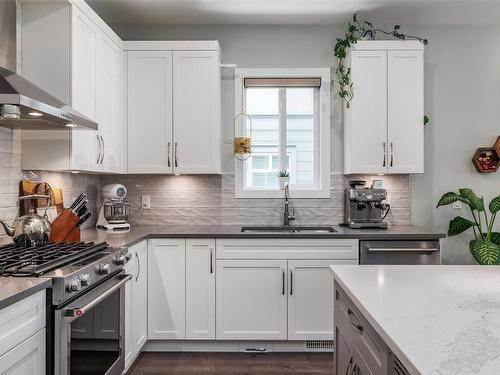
(438, 320)
(13, 289)
(138, 233)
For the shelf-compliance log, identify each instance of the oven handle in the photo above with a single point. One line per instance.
(79, 311)
(402, 249)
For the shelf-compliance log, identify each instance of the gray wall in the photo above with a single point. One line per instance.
(462, 97)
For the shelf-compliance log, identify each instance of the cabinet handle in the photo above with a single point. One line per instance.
(176, 162)
(291, 281)
(98, 148)
(353, 321)
(138, 267)
(211, 259)
(283, 282)
(103, 149)
(392, 155)
(383, 146)
(168, 154)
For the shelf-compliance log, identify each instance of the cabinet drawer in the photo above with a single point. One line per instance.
(287, 248)
(371, 348)
(21, 320)
(27, 358)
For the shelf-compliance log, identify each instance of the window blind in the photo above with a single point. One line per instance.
(283, 82)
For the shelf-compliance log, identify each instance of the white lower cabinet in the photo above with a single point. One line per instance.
(136, 303)
(251, 300)
(200, 289)
(27, 358)
(166, 289)
(310, 299)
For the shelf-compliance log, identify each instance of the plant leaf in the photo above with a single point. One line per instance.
(448, 198)
(485, 252)
(459, 225)
(494, 237)
(495, 205)
(475, 202)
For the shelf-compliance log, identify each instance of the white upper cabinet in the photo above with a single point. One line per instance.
(197, 129)
(150, 112)
(383, 128)
(79, 61)
(174, 109)
(405, 93)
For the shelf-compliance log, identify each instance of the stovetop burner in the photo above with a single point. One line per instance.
(35, 261)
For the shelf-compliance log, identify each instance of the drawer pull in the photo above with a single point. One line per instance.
(402, 249)
(353, 321)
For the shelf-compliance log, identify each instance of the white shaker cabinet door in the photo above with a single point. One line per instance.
(310, 299)
(139, 297)
(27, 358)
(196, 98)
(85, 146)
(365, 127)
(109, 96)
(128, 349)
(405, 111)
(166, 289)
(149, 94)
(251, 300)
(200, 289)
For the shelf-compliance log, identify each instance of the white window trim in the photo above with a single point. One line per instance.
(324, 131)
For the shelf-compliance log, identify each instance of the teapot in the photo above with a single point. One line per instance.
(31, 229)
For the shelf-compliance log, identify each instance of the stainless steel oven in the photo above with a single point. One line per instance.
(89, 330)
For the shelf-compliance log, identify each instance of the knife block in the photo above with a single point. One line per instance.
(64, 226)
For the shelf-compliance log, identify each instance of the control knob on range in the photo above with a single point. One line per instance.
(85, 279)
(73, 286)
(120, 259)
(103, 269)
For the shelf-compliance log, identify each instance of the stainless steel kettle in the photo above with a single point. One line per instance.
(31, 229)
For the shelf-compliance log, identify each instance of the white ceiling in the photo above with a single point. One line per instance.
(295, 12)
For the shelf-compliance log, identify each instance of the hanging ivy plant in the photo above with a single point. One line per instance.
(358, 30)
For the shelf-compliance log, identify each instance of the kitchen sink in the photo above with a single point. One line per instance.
(288, 229)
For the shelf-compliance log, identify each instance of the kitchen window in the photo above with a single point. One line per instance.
(290, 130)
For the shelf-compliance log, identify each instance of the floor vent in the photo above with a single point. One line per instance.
(326, 345)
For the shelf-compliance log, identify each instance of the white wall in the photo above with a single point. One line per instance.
(462, 97)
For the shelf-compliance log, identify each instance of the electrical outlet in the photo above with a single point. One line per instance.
(457, 205)
(146, 201)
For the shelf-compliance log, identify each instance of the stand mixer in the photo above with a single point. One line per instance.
(114, 211)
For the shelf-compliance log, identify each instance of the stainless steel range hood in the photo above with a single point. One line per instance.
(26, 106)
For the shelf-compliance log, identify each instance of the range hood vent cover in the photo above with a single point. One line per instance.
(36, 108)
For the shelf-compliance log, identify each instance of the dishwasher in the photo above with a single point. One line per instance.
(399, 252)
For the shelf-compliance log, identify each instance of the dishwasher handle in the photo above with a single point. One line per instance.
(402, 249)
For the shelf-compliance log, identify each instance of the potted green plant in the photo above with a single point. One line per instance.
(485, 248)
(283, 178)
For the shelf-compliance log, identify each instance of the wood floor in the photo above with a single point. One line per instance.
(233, 363)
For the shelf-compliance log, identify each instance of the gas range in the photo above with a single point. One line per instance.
(73, 267)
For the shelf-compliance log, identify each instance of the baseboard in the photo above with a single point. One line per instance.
(237, 346)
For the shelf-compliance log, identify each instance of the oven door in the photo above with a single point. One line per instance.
(89, 331)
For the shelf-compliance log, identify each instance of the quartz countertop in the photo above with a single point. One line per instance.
(438, 320)
(138, 233)
(13, 289)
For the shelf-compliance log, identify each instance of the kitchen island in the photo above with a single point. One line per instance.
(420, 319)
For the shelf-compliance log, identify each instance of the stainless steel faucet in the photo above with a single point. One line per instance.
(287, 217)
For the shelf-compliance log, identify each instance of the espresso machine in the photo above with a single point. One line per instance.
(365, 207)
